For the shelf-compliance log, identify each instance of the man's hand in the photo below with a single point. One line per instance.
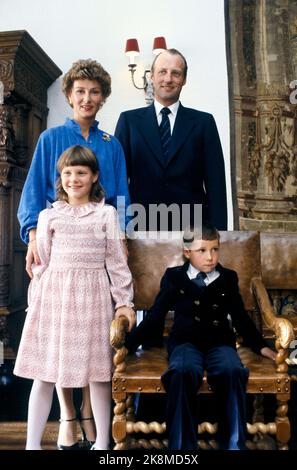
(32, 253)
(267, 352)
(127, 312)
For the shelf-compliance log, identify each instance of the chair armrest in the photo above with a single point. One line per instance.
(282, 327)
(118, 330)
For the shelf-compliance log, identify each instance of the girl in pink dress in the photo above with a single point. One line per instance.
(82, 279)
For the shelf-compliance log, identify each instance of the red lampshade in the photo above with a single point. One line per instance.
(132, 47)
(159, 45)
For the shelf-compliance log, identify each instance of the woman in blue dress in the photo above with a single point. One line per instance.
(86, 86)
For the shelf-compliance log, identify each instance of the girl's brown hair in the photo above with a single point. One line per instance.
(79, 155)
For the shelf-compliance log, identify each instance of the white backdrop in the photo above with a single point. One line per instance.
(69, 30)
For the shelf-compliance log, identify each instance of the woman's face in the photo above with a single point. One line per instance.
(86, 99)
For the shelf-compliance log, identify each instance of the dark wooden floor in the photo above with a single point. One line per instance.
(13, 413)
(13, 436)
(14, 397)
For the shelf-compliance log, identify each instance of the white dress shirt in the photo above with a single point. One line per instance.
(210, 277)
(172, 115)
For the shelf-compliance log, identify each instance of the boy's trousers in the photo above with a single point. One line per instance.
(227, 377)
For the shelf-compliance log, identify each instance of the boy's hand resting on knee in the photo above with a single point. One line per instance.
(127, 312)
(267, 352)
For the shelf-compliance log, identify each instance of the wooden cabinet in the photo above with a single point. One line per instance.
(26, 72)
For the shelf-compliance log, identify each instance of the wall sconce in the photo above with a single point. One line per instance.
(132, 50)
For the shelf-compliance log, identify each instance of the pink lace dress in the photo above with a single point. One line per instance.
(83, 278)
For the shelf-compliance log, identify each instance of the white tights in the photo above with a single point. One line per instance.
(40, 403)
(101, 404)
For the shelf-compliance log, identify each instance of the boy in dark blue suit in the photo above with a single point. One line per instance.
(207, 303)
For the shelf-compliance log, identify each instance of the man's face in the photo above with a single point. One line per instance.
(168, 78)
(203, 254)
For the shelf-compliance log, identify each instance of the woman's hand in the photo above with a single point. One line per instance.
(267, 352)
(32, 253)
(127, 312)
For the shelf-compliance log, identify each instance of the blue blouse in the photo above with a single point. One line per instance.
(39, 188)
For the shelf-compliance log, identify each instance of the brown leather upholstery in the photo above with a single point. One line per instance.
(279, 260)
(144, 370)
(148, 259)
(241, 251)
(279, 267)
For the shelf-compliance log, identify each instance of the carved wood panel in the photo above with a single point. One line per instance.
(26, 72)
(261, 53)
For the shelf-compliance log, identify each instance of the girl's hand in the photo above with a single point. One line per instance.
(32, 253)
(127, 312)
(267, 352)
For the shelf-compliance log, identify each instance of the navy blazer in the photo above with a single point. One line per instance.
(194, 172)
(201, 318)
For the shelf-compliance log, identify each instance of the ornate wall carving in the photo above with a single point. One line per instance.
(262, 62)
(26, 73)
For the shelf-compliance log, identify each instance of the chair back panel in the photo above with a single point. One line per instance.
(279, 260)
(150, 255)
(240, 251)
(148, 260)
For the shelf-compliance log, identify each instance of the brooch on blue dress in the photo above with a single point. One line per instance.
(106, 137)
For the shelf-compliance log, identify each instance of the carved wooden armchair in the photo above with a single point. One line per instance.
(279, 267)
(141, 372)
(279, 262)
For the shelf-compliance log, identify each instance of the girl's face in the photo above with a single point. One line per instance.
(86, 99)
(77, 183)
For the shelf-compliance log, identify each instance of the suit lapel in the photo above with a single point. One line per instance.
(183, 125)
(148, 127)
(184, 282)
(219, 284)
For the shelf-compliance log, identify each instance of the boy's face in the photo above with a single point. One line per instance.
(203, 254)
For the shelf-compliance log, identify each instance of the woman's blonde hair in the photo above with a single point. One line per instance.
(87, 69)
(79, 155)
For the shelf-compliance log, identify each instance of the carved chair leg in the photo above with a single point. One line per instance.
(119, 421)
(283, 429)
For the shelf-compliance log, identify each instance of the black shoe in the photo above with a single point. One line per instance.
(86, 444)
(74, 446)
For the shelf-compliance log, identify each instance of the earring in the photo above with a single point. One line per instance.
(70, 101)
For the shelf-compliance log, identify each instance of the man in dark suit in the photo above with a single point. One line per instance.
(207, 304)
(173, 156)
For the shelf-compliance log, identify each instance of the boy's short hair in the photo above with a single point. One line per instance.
(206, 231)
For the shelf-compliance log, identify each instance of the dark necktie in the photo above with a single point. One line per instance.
(165, 132)
(199, 280)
